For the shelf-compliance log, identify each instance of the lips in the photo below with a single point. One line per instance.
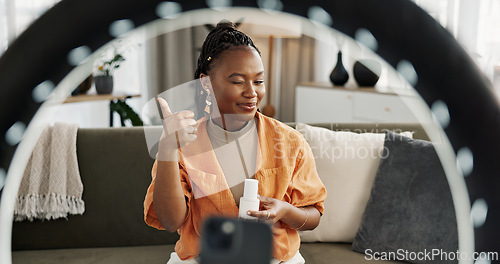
(247, 106)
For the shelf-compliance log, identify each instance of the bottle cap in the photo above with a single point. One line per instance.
(251, 188)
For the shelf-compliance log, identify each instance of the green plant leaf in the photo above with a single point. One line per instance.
(126, 112)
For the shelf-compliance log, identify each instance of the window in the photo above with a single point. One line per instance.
(17, 15)
(488, 46)
(475, 24)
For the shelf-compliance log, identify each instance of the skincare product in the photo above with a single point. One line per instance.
(249, 201)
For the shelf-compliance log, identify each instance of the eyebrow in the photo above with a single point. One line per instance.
(241, 74)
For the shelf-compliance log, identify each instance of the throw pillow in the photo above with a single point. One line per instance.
(346, 163)
(410, 211)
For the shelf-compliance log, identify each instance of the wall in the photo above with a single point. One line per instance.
(128, 79)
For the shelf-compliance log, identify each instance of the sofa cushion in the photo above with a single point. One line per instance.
(410, 207)
(346, 163)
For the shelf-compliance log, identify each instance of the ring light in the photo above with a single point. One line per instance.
(406, 36)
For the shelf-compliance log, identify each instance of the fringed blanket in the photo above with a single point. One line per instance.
(51, 187)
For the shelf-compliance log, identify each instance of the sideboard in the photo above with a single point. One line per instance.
(322, 102)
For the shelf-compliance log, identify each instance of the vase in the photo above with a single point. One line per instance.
(367, 72)
(103, 84)
(84, 86)
(339, 75)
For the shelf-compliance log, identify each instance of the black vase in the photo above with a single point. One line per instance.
(103, 84)
(339, 75)
(84, 86)
(367, 72)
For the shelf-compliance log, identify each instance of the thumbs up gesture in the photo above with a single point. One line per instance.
(179, 129)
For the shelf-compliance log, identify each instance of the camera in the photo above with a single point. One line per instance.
(227, 240)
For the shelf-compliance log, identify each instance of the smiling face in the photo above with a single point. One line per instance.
(237, 80)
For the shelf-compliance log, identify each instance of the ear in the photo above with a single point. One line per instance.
(205, 82)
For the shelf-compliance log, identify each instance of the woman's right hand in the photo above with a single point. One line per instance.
(179, 129)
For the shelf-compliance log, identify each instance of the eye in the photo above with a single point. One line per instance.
(238, 82)
(259, 82)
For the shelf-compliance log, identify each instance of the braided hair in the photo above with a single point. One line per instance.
(223, 37)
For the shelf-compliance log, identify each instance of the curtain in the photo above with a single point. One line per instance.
(297, 65)
(171, 61)
(172, 58)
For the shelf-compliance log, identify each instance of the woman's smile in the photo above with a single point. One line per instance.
(249, 107)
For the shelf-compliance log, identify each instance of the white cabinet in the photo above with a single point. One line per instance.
(316, 104)
(313, 105)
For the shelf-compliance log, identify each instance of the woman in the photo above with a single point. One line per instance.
(232, 142)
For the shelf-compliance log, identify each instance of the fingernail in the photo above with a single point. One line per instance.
(248, 212)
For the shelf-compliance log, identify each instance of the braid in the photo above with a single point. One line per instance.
(223, 37)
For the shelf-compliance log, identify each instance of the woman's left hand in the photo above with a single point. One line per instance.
(272, 210)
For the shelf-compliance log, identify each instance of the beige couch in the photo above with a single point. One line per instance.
(115, 169)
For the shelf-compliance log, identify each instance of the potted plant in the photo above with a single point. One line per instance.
(104, 78)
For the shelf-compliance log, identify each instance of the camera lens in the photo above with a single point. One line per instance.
(228, 227)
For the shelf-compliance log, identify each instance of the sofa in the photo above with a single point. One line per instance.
(115, 167)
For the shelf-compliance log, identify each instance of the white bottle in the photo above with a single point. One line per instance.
(249, 201)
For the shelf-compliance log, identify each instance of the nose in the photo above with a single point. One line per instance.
(250, 91)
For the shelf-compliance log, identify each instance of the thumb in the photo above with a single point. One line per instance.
(263, 199)
(163, 107)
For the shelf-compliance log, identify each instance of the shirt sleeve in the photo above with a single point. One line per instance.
(307, 188)
(149, 212)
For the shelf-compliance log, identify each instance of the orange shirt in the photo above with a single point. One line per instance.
(285, 170)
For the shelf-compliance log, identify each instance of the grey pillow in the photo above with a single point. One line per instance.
(410, 212)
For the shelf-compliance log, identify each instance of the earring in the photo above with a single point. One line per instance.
(208, 101)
